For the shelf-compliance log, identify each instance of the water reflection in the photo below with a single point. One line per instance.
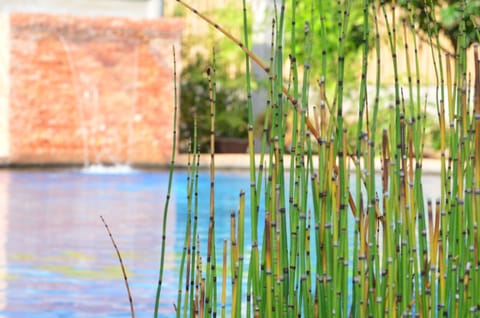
(56, 259)
(3, 238)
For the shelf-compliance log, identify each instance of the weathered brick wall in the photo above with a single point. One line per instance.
(4, 87)
(97, 90)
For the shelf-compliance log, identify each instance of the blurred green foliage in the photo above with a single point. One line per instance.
(448, 16)
(231, 96)
(231, 106)
(327, 42)
(231, 99)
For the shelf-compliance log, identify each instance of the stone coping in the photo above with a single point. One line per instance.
(222, 162)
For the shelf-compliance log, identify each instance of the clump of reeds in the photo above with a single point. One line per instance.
(323, 243)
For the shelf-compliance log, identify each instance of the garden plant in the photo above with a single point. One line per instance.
(330, 235)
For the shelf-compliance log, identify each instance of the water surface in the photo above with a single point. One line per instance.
(56, 259)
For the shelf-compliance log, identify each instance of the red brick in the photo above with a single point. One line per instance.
(101, 84)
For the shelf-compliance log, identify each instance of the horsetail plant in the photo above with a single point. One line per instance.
(169, 188)
(334, 234)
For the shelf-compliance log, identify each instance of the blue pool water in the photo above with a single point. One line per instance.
(56, 259)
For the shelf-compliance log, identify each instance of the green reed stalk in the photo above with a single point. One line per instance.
(233, 254)
(186, 252)
(254, 203)
(293, 189)
(211, 295)
(169, 188)
(278, 133)
(199, 283)
(395, 213)
(414, 146)
(304, 158)
(240, 260)
(456, 182)
(224, 278)
(191, 229)
(359, 153)
(195, 248)
(254, 200)
(476, 196)
(340, 203)
(464, 171)
(267, 309)
(319, 187)
(434, 299)
(410, 256)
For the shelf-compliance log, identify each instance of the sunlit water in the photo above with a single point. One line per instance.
(56, 259)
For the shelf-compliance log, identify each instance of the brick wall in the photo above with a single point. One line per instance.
(4, 86)
(97, 90)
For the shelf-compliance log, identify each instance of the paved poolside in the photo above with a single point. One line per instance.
(241, 161)
(228, 162)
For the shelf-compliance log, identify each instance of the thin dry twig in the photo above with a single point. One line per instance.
(124, 272)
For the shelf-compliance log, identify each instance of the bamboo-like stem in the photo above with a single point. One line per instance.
(404, 255)
(210, 305)
(169, 188)
(240, 260)
(198, 303)
(476, 196)
(195, 247)
(186, 253)
(224, 279)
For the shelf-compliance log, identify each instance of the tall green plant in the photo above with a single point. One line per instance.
(324, 243)
(448, 16)
(169, 188)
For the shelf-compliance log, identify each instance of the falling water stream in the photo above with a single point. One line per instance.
(91, 112)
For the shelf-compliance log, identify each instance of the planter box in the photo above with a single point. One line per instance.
(231, 145)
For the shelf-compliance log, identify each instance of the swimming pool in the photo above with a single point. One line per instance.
(56, 259)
